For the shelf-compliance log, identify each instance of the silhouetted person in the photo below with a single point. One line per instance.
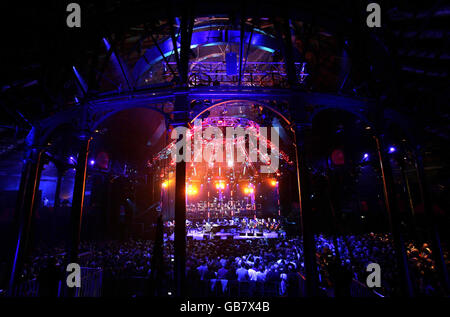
(157, 263)
(49, 278)
(293, 285)
(341, 277)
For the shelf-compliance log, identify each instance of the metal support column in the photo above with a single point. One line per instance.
(60, 174)
(24, 212)
(181, 117)
(284, 32)
(180, 228)
(431, 222)
(309, 246)
(241, 44)
(186, 28)
(407, 191)
(78, 199)
(394, 219)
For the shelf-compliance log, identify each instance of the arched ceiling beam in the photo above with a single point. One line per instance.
(101, 107)
(204, 38)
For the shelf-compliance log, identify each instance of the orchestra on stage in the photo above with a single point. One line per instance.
(232, 227)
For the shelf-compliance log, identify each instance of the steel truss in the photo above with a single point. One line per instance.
(259, 74)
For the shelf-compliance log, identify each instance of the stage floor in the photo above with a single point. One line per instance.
(199, 235)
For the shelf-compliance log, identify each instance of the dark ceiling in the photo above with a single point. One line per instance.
(38, 51)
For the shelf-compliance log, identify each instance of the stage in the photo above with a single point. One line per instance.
(242, 234)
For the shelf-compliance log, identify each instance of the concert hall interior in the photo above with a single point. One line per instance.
(243, 149)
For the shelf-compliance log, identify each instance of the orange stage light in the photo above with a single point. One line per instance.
(191, 190)
(165, 184)
(273, 182)
(220, 185)
(248, 190)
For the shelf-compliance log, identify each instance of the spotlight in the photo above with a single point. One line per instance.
(273, 182)
(365, 157)
(165, 184)
(191, 190)
(248, 190)
(392, 149)
(92, 162)
(220, 185)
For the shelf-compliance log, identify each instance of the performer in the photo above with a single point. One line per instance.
(207, 227)
(260, 225)
(252, 225)
(243, 224)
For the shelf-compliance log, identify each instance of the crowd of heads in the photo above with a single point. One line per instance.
(356, 252)
(277, 260)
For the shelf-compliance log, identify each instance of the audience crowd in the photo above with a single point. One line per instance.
(355, 252)
(277, 261)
